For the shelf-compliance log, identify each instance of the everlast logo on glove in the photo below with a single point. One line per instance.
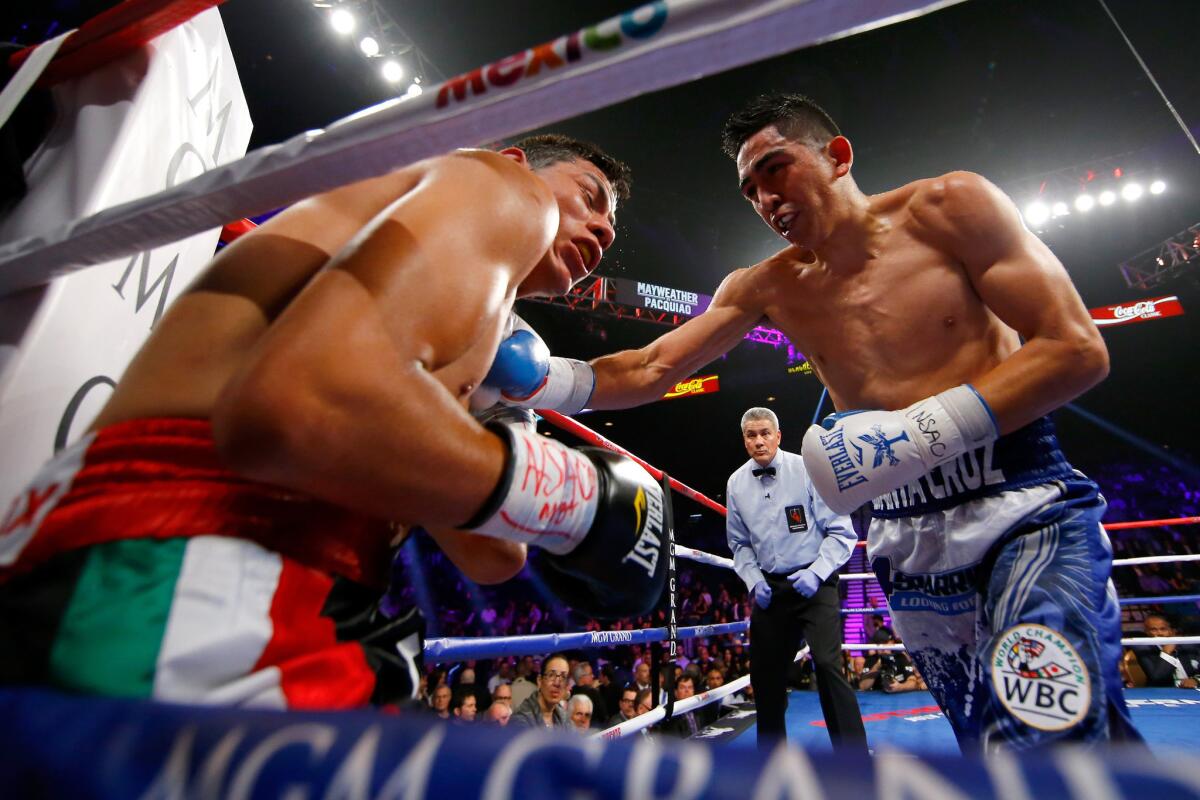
(649, 527)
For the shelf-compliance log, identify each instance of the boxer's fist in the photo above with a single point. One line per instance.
(859, 455)
(597, 515)
(619, 569)
(525, 375)
(521, 364)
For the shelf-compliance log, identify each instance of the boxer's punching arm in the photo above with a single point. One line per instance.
(635, 377)
(1028, 289)
(342, 397)
(483, 559)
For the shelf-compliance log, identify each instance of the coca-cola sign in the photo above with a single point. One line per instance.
(1138, 311)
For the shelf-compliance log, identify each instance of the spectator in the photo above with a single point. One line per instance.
(524, 685)
(585, 685)
(498, 714)
(626, 708)
(1168, 664)
(463, 707)
(503, 674)
(683, 725)
(544, 706)
(467, 685)
(641, 675)
(441, 701)
(579, 709)
(503, 695)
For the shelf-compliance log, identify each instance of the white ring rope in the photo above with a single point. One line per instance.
(657, 713)
(702, 557)
(661, 44)
(1132, 641)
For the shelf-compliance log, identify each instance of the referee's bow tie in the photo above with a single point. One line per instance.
(758, 473)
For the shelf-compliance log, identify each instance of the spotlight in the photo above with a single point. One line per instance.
(1158, 187)
(1131, 191)
(1108, 197)
(342, 21)
(1084, 203)
(608, 424)
(1060, 209)
(1036, 213)
(392, 71)
(369, 46)
(414, 88)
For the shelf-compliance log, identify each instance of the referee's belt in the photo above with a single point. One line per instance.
(781, 578)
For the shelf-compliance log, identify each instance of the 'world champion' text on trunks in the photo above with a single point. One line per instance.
(844, 468)
(969, 472)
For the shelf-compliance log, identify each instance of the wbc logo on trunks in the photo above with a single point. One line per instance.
(1040, 678)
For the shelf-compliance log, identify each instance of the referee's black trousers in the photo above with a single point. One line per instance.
(775, 636)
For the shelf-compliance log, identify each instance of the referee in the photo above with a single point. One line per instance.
(787, 547)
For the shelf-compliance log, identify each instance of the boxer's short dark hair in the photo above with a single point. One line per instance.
(797, 117)
(546, 149)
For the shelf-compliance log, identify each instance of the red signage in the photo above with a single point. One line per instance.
(706, 385)
(1139, 311)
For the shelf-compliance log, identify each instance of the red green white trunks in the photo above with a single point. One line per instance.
(136, 565)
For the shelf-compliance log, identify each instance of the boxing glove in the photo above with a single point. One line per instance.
(525, 375)
(596, 515)
(854, 457)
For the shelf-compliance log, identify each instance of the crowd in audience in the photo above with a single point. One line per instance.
(595, 689)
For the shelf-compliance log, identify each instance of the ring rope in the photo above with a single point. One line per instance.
(656, 714)
(662, 44)
(448, 649)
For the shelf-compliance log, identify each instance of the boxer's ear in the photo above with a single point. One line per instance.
(516, 154)
(842, 153)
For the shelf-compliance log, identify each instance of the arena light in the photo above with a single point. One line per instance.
(392, 71)
(1108, 197)
(1084, 203)
(1131, 191)
(342, 21)
(1037, 212)
(1158, 187)
(1060, 209)
(414, 89)
(369, 46)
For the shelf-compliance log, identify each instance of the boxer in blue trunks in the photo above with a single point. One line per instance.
(945, 333)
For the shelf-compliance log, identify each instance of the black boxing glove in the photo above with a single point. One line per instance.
(597, 516)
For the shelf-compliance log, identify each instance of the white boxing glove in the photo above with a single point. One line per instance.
(856, 456)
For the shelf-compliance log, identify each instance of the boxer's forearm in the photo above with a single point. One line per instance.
(636, 377)
(392, 444)
(483, 559)
(1043, 375)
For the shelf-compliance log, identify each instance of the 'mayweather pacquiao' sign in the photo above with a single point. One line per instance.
(640, 294)
(706, 385)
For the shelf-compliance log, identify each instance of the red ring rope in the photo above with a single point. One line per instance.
(587, 434)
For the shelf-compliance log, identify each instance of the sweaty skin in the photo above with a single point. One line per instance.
(893, 297)
(334, 348)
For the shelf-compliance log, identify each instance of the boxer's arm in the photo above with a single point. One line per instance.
(483, 559)
(341, 397)
(1028, 289)
(635, 377)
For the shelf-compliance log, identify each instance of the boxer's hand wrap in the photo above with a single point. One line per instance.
(547, 496)
(860, 455)
(567, 388)
(620, 569)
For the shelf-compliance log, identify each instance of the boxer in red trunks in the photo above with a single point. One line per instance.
(220, 533)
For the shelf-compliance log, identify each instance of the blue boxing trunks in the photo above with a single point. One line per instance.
(997, 573)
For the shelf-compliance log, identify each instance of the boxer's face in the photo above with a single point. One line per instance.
(792, 185)
(587, 208)
(761, 439)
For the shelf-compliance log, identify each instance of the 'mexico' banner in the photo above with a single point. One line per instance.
(705, 385)
(1142, 310)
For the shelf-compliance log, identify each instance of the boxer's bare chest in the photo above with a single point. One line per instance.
(891, 329)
